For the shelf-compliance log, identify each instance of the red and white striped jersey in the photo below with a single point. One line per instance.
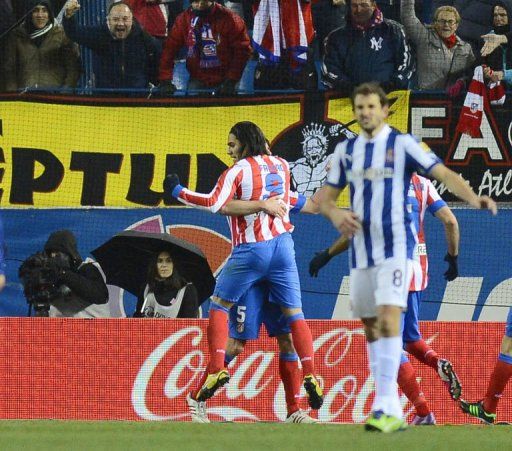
(252, 178)
(422, 196)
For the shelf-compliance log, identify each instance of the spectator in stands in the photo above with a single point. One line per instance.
(167, 294)
(327, 16)
(498, 64)
(474, 20)
(368, 48)
(6, 22)
(444, 60)
(68, 287)
(152, 16)
(38, 54)
(124, 55)
(218, 48)
(283, 35)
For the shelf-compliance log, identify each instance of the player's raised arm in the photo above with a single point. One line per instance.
(458, 186)
(222, 192)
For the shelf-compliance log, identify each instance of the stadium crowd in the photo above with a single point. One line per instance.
(274, 45)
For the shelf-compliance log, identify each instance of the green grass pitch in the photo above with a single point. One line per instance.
(121, 435)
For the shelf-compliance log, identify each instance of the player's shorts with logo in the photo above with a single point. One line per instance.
(384, 284)
(253, 310)
(272, 261)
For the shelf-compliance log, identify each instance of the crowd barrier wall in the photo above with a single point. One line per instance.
(96, 165)
(142, 370)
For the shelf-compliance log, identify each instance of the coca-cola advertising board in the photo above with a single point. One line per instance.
(142, 369)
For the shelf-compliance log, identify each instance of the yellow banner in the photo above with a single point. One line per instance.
(63, 155)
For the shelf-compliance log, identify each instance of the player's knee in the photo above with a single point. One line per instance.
(221, 302)
(285, 344)
(389, 320)
(235, 347)
(388, 326)
(370, 329)
(506, 345)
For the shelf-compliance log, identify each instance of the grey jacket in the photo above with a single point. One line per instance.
(437, 66)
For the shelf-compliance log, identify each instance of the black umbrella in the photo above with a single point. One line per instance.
(126, 256)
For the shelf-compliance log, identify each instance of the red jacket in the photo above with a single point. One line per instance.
(232, 41)
(150, 17)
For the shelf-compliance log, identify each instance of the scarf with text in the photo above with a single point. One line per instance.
(202, 43)
(477, 101)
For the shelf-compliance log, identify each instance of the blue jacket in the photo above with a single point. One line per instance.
(128, 63)
(380, 54)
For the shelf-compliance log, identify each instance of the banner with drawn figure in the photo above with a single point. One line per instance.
(101, 154)
(83, 152)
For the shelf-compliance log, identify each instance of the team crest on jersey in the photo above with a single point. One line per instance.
(390, 156)
(240, 327)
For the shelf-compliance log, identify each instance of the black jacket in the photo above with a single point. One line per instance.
(380, 54)
(118, 63)
(83, 279)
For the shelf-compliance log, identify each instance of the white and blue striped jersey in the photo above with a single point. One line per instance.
(378, 172)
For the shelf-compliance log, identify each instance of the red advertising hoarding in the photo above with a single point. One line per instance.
(142, 369)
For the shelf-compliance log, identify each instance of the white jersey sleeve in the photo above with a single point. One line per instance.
(418, 158)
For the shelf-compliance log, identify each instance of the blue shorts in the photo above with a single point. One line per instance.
(272, 261)
(410, 324)
(253, 310)
(508, 329)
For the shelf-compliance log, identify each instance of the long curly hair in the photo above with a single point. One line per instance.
(251, 138)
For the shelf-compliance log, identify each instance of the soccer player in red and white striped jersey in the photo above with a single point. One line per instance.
(262, 251)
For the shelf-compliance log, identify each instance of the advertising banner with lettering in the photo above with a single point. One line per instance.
(142, 369)
(96, 167)
(68, 154)
(486, 161)
(483, 290)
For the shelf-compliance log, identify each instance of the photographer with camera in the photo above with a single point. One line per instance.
(58, 283)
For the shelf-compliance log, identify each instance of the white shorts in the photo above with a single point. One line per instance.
(384, 284)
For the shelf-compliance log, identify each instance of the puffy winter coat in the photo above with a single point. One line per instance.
(55, 63)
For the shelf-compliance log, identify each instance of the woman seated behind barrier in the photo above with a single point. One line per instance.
(38, 54)
(167, 294)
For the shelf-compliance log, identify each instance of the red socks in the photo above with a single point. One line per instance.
(303, 343)
(217, 333)
(409, 385)
(290, 375)
(423, 352)
(497, 382)
(200, 383)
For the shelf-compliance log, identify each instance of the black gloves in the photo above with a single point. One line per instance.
(453, 268)
(227, 88)
(171, 181)
(167, 88)
(318, 262)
